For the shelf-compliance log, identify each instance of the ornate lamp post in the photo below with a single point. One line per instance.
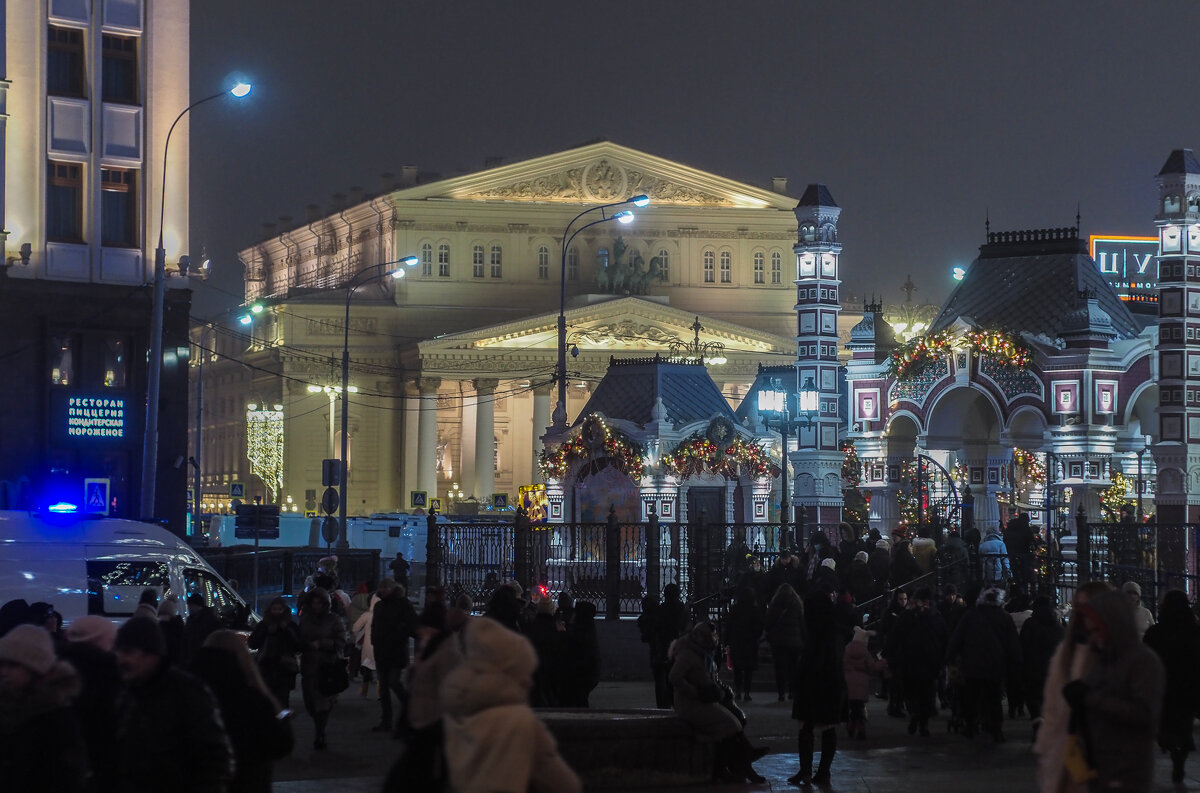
(775, 404)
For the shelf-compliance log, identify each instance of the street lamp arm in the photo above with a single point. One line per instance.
(162, 206)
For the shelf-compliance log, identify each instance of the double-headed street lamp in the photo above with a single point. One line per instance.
(362, 277)
(775, 405)
(559, 417)
(154, 381)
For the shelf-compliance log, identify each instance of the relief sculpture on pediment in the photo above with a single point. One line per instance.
(564, 185)
(606, 182)
(626, 333)
(664, 192)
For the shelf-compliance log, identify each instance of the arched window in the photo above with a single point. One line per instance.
(497, 261)
(573, 264)
(1171, 203)
(477, 261)
(444, 260)
(710, 263)
(776, 268)
(760, 262)
(664, 264)
(808, 232)
(426, 258)
(726, 267)
(543, 262)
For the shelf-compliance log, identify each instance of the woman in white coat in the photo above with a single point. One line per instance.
(362, 637)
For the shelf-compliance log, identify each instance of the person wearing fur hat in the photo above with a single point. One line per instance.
(169, 732)
(858, 665)
(43, 742)
(322, 641)
(985, 646)
(494, 743)
(89, 649)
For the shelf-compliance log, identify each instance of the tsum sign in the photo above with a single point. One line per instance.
(1126, 262)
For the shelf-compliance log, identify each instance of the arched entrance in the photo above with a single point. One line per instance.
(964, 428)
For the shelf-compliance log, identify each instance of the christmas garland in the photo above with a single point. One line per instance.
(697, 454)
(851, 465)
(1033, 468)
(595, 441)
(914, 355)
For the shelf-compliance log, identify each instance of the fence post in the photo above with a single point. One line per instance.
(653, 555)
(522, 541)
(289, 568)
(433, 551)
(1083, 548)
(612, 566)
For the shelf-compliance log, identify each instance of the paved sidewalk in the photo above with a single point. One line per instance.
(889, 760)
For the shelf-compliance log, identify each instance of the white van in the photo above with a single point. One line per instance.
(84, 565)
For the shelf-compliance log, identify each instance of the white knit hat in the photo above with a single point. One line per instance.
(93, 629)
(830, 563)
(28, 646)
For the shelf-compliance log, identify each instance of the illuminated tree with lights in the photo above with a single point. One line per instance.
(264, 446)
(1116, 498)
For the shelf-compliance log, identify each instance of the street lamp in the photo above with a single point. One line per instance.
(775, 405)
(1146, 441)
(372, 273)
(150, 440)
(559, 417)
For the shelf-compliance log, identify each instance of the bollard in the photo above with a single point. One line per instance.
(612, 566)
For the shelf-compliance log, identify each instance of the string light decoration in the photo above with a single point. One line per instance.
(851, 465)
(264, 446)
(1115, 498)
(697, 454)
(910, 359)
(596, 441)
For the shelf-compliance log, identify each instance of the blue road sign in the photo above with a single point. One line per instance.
(95, 496)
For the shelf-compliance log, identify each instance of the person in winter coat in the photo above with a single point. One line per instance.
(744, 630)
(393, 624)
(671, 621)
(921, 639)
(1071, 661)
(820, 690)
(880, 564)
(322, 641)
(786, 570)
(954, 562)
(1176, 640)
(784, 624)
(494, 743)
(169, 732)
(993, 561)
(985, 647)
(1119, 700)
(173, 630)
(581, 653)
(42, 738)
(361, 634)
(147, 604)
(903, 568)
(858, 580)
(1040, 636)
(924, 551)
(825, 577)
(259, 729)
(858, 666)
(699, 697)
(1019, 541)
(202, 620)
(89, 650)
(550, 644)
(1142, 618)
(277, 640)
(892, 651)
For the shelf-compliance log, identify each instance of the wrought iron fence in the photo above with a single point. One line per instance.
(1157, 557)
(283, 571)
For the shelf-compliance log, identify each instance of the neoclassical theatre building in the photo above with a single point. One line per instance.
(451, 366)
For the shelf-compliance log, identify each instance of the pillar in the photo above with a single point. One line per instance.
(485, 438)
(541, 421)
(427, 435)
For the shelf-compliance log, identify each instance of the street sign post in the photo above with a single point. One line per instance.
(95, 496)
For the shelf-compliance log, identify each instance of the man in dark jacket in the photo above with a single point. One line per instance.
(1018, 539)
(922, 646)
(986, 647)
(169, 733)
(786, 570)
(671, 621)
(393, 623)
(201, 622)
(954, 562)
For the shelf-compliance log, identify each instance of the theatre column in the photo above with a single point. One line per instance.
(541, 420)
(427, 435)
(485, 439)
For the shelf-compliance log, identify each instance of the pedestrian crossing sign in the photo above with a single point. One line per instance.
(237, 490)
(95, 496)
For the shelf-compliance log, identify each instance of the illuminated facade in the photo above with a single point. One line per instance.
(88, 93)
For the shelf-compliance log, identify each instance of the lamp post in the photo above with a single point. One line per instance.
(197, 483)
(154, 361)
(776, 405)
(559, 417)
(372, 273)
(1145, 446)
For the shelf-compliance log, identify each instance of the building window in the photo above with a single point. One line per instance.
(119, 70)
(776, 268)
(426, 258)
(118, 207)
(573, 265)
(116, 362)
(477, 261)
(64, 62)
(543, 262)
(444, 260)
(497, 262)
(726, 267)
(62, 359)
(64, 202)
(710, 264)
(760, 268)
(664, 265)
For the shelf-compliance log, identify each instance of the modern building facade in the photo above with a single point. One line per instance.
(88, 94)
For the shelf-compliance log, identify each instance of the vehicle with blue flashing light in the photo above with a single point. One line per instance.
(86, 565)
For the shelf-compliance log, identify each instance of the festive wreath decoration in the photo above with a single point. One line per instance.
(595, 441)
(1003, 347)
(699, 453)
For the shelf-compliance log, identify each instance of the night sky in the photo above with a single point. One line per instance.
(922, 117)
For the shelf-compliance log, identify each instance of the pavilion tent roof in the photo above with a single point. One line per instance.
(631, 388)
